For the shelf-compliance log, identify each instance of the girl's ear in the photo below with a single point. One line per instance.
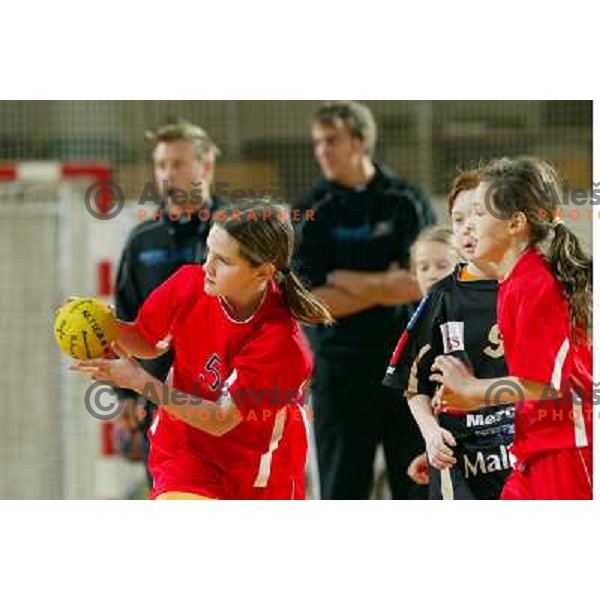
(265, 271)
(518, 224)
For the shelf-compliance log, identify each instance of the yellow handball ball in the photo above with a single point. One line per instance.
(85, 328)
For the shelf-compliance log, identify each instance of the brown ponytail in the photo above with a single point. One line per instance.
(573, 269)
(529, 185)
(265, 235)
(304, 305)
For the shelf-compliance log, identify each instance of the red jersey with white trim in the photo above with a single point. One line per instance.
(533, 316)
(264, 363)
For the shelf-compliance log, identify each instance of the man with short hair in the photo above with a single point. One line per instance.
(354, 253)
(184, 157)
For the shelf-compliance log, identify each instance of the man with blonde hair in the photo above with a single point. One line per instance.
(183, 157)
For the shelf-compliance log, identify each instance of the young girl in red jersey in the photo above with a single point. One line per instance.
(544, 315)
(230, 423)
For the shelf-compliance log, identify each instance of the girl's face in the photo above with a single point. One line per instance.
(227, 272)
(433, 261)
(462, 226)
(493, 235)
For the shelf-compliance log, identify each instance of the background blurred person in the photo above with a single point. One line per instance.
(183, 156)
(354, 253)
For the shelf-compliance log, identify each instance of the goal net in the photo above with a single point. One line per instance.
(50, 248)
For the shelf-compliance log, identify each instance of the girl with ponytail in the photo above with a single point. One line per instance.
(544, 316)
(230, 423)
(265, 236)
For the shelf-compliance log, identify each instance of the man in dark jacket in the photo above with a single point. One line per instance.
(354, 253)
(184, 160)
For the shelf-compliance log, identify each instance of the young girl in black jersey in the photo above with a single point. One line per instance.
(433, 256)
(469, 451)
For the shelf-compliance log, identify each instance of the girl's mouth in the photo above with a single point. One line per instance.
(470, 245)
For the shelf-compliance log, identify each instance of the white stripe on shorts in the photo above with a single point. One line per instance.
(264, 468)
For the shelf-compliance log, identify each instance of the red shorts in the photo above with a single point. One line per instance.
(294, 489)
(558, 475)
(190, 474)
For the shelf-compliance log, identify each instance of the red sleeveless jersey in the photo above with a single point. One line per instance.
(264, 363)
(533, 316)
